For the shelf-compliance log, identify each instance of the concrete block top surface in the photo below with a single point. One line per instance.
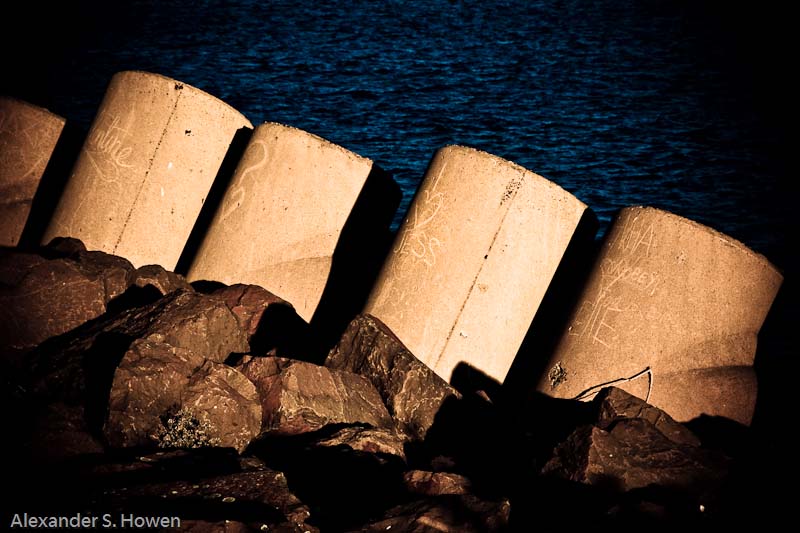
(28, 136)
(672, 302)
(146, 167)
(473, 259)
(282, 215)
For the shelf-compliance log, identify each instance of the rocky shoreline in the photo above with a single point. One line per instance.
(131, 394)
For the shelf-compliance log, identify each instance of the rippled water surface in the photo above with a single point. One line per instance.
(621, 103)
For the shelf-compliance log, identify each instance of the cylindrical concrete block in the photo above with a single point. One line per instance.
(144, 171)
(28, 136)
(282, 215)
(472, 261)
(676, 304)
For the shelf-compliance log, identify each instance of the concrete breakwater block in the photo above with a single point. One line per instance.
(28, 136)
(145, 169)
(282, 218)
(670, 313)
(473, 260)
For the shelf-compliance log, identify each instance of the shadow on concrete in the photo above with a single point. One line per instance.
(552, 317)
(363, 245)
(224, 176)
(51, 186)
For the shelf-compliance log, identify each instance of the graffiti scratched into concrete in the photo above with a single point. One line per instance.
(245, 179)
(417, 241)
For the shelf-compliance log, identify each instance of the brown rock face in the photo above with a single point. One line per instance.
(249, 493)
(170, 339)
(41, 298)
(155, 380)
(299, 397)
(435, 483)
(163, 280)
(412, 391)
(634, 454)
(375, 441)
(466, 513)
(616, 404)
(247, 303)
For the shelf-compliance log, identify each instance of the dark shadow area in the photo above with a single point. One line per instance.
(135, 296)
(206, 286)
(501, 444)
(99, 364)
(214, 198)
(363, 245)
(281, 332)
(52, 185)
(552, 317)
(467, 379)
(343, 487)
(775, 361)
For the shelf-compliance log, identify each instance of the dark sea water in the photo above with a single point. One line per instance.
(679, 105)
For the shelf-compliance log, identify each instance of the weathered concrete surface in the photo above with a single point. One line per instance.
(283, 214)
(676, 297)
(472, 261)
(28, 136)
(145, 169)
(299, 397)
(413, 393)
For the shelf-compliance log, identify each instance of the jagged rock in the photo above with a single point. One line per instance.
(182, 319)
(267, 488)
(77, 368)
(412, 391)
(203, 488)
(149, 381)
(248, 303)
(41, 298)
(375, 441)
(154, 381)
(462, 513)
(436, 483)
(65, 246)
(633, 454)
(160, 278)
(228, 401)
(299, 397)
(616, 404)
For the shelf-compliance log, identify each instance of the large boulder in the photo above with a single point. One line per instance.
(41, 297)
(634, 454)
(299, 397)
(616, 404)
(412, 391)
(171, 397)
(63, 286)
